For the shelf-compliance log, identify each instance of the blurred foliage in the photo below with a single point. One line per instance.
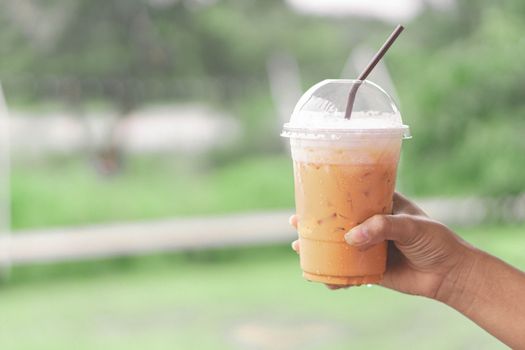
(65, 192)
(465, 102)
(181, 43)
(132, 52)
(459, 75)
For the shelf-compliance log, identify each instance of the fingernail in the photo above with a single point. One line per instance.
(356, 235)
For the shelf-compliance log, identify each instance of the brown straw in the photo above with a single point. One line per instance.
(377, 57)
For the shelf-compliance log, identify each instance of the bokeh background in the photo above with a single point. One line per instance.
(144, 187)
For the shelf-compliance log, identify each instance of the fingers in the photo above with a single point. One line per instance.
(400, 228)
(295, 246)
(336, 286)
(293, 221)
(404, 206)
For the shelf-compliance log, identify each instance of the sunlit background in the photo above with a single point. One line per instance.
(144, 188)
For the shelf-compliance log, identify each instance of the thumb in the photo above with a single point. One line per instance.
(400, 228)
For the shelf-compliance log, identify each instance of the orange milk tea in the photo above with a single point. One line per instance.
(338, 185)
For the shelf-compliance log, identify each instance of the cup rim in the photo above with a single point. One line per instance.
(336, 134)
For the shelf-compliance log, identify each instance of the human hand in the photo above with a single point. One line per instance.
(422, 253)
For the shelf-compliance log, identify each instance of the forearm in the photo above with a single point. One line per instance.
(491, 293)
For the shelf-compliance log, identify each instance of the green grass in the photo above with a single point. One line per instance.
(228, 299)
(69, 192)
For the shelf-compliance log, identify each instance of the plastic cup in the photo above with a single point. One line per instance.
(344, 172)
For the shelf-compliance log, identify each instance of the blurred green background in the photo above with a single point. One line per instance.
(458, 74)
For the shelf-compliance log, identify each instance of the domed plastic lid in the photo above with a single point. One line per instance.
(320, 112)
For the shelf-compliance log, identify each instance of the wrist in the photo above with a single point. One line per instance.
(459, 285)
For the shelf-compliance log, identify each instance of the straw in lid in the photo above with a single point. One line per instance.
(320, 112)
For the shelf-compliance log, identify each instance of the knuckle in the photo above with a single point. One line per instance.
(410, 227)
(380, 223)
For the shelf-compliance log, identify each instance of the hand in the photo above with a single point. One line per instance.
(422, 253)
(426, 258)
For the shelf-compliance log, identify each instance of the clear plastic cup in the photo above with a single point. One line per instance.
(344, 172)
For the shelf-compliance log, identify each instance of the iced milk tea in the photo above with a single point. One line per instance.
(338, 185)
